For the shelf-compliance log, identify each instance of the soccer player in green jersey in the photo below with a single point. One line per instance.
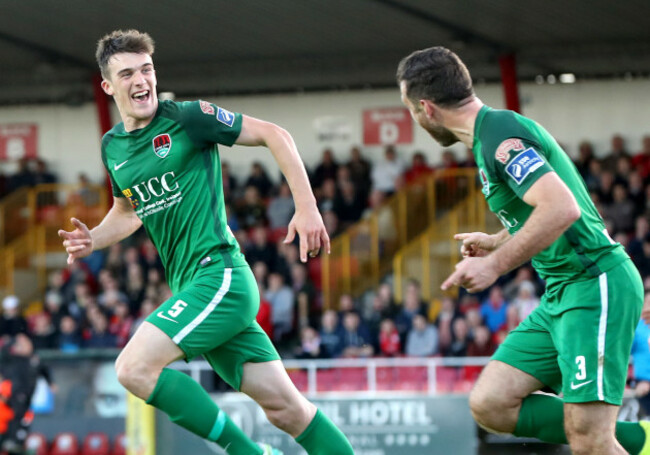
(578, 340)
(163, 162)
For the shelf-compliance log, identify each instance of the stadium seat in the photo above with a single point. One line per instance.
(36, 443)
(299, 379)
(95, 443)
(65, 443)
(119, 445)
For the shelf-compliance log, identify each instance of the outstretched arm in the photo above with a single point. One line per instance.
(555, 210)
(120, 222)
(307, 221)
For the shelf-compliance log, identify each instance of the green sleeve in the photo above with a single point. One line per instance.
(207, 124)
(117, 192)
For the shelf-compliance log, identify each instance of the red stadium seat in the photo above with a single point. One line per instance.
(36, 443)
(95, 443)
(65, 444)
(119, 445)
(299, 379)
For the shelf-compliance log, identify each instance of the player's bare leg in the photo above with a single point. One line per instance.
(590, 428)
(141, 369)
(141, 361)
(496, 398)
(270, 386)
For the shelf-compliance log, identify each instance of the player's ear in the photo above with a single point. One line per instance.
(428, 107)
(107, 87)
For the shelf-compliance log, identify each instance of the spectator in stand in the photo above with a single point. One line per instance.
(622, 210)
(641, 361)
(42, 174)
(523, 273)
(355, 341)
(412, 306)
(584, 159)
(259, 179)
(382, 309)
(389, 343)
(445, 321)
(474, 321)
(448, 161)
(592, 179)
(150, 259)
(347, 205)
(309, 344)
(636, 192)
(642, 261)
(328, 195)
(12, 322)
(419, 168)
(606, 187)
(359, 171)
(281, 208)
(53, 307)
(325, 170)
(98, 335)
(331, 337)
(422, 339)
(282, 301)
(331, 222)
(229, 182)
(82, 298)
(287, 255)
(617, 151)
(74, 274)
(512, 321)
(121, 323)
(493, 309)
(460, 339)
(44, 334)
(111, 295)
(23, 177)
(114, 262)
(147, 307)
(386, 175)
(481, 344)
(134, 286)
(264, 318)
(308, 311)
(261, 273)
(260, 249)
(346, 304)
(623, 170)
(641, 229)
(526, 300)
(386, 227)
(641, 161)
(231, 219)
(251, 211)
(69, 337)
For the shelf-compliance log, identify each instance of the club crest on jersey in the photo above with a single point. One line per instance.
(524, 164)
(503, 150)
(226, 117)
(162, 144)
(206, 107)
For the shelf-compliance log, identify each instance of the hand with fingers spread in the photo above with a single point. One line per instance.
(473, 274)
(309, 226)
(476, 244)
(77, 243)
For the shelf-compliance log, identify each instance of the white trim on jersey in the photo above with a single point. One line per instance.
(602, 328)
(225, 286)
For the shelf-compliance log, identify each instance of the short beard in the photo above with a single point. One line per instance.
(442, 135)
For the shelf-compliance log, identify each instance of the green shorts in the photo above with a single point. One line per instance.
(215, 317)
(581, 350)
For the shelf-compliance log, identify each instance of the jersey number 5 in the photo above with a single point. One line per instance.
(178, 307)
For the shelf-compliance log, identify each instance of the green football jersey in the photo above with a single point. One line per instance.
(511, 153)
(171, 173)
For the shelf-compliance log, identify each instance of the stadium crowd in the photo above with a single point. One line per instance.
(98, 302)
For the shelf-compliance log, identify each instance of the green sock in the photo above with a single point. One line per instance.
(542, 417)
(322, 437)
(189, 405)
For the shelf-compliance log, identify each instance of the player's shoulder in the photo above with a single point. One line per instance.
(112, 133)
(504, 131)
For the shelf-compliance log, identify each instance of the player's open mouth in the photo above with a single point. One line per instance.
(141, 96)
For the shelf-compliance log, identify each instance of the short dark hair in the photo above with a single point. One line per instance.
(435, 74)
(122, 41)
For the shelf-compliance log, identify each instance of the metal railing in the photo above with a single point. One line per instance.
(364, 252)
